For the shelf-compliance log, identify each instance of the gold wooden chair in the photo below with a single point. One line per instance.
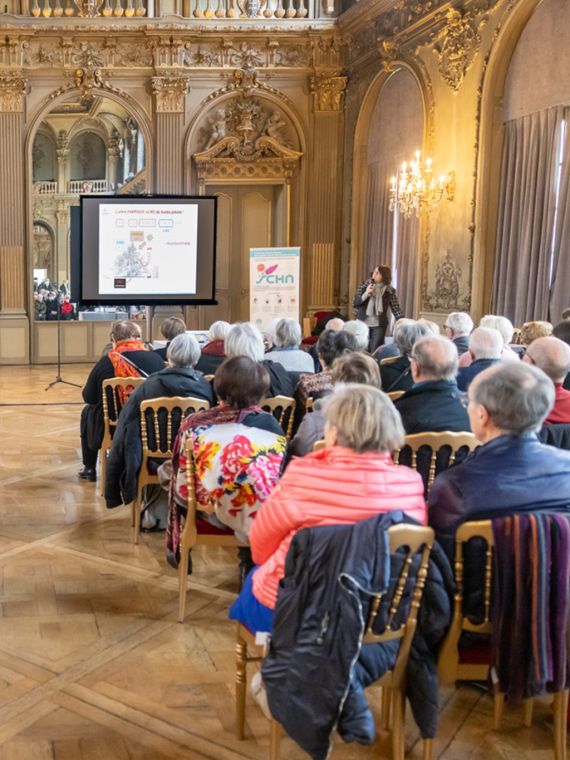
(450, 668)
(308, 326)
(283, 409)
(389, 360)
(413, 539)
(116, 392)
(190, 536)
(435, 442)
(160, 420)
(209, 378)
(309, 405)
(318, 445)
(394, 395)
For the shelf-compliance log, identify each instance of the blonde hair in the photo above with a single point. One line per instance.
(532, 330)
(365, 419)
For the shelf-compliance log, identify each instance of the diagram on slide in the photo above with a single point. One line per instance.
(148, 249)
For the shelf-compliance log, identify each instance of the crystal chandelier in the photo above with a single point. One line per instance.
(417, 190)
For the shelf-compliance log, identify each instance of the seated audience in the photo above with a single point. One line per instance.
(511, 471)
(505, 327)
(214, 352)
(532, 330)
(352, 479)
(388, 350)
(565, 314)
(39, 307)
(286, 347)
(244, 339)
(432, 326)
(361, 333)
(238, 452)
(170, 328)
(330, 346)
(562, 331)
(458, 326)
(396, 373)
(355, 367)
(485, 347)
(552, 356)
(179, 378)
(67, 310)
(127, 357)
(434, 402)
(336, 324)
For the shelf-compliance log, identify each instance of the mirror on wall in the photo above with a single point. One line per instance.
(83, 146)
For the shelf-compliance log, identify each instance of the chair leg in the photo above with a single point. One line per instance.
(137, 504)
(275, 740)
(241, 685)
(103, 469)
(498, 706)
(528, 707)
(560, 724)
(182, 582)
(428, 749)
(385, 709)
(398, 713)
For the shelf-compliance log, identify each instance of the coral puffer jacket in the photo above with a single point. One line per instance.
(328, 487)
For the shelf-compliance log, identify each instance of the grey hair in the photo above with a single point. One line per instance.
(287, 333)
(244, 339)
(365, 419)
(183, 351)
(503, 325)
(517, 396)
(552, 356)
(436, 357)
(361, 332)
(460, 322)
(407, 333)
(219, 330)
(486, 343)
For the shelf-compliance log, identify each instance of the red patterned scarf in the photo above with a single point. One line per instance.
(121, 366)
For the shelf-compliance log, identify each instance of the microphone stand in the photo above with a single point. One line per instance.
(58, 377)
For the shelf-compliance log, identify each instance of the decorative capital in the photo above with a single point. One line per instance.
(459, 42)
(170, 93)
(327, 92)
(12, 91)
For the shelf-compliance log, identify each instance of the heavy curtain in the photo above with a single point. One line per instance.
(407, 248)
(560, 290)
(526, 216)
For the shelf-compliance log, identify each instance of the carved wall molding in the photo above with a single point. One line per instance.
(327, 91)
(13, 87)
(170, 93)
(457, 46)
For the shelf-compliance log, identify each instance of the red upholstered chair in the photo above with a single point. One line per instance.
(309, 324)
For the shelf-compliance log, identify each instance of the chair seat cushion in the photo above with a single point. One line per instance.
(207, 529)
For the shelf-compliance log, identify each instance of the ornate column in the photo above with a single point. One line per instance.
(12, 221)
(62, 152)
(113, 151)
(325, 190)
(170, 100)
(62, 264)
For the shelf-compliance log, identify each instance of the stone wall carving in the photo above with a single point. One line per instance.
(327, 91)
(170, 93)
(446, 294)
(13, 88)
(459, 43)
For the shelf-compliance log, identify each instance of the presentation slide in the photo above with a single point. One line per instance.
(145, 249)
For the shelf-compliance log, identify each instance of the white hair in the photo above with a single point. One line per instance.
(244, 339)
(486, 343)
(287, 333)
(183, 351)
(460, 322)
(361, 332)
(219, 330)
(503, 325)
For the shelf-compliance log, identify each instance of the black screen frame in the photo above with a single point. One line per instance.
(77, 255)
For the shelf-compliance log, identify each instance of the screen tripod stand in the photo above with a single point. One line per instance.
(58, 377)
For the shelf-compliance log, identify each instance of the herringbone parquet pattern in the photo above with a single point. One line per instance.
(94, 666)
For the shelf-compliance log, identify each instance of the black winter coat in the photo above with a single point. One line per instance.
(433, 406)
(322, 607)
(125, 456)
(396, 375)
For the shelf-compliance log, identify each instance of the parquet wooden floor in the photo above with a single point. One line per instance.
(94, 666)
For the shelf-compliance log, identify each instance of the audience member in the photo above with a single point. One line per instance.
(433, 403)
(432, 326)
(387, 350)
(485, 347)
(179, 378)
(354, 367)
(214, 352)
(565, 314)
(396, 373)
(286, 347)
(330, 346)
(238, 449)
(532, 330)
(67, 309)
(361, 333)
(170, 328)
(511, 471)
(552, 356)
(39, 307)
(562, 331)
(352, 479)
(336, 324)
(505, 327)
(127, 358)
(244, 339)
(458, 326)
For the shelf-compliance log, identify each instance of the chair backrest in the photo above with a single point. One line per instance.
(395, 394)
(389, 360)
(318, 445)
(116, 392)
(283, 409)
(435, 442)
(191, 503)
(412, 540)
(309, 405)
(160, 421)
(209, 378)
